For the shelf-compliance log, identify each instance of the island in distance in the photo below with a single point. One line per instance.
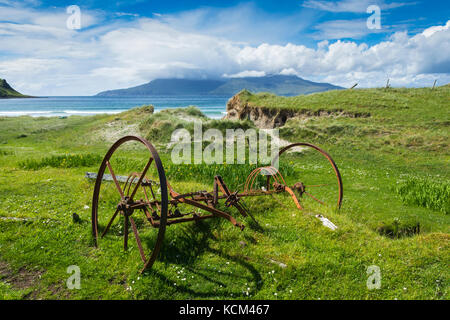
(277, 84)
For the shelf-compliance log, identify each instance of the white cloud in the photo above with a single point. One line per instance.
(246, 73)
(344, 29)
(406, 60)
(290, 72)
(355, 6)
(432, 30)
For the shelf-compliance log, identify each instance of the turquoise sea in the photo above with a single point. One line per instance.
(211, 106)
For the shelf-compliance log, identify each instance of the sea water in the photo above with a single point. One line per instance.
(212, 106)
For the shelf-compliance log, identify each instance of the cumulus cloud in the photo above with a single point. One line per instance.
(406, 60)
(432, 30)
(41, 57)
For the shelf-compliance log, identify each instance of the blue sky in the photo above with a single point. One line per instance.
(412, 16)
(126, 43)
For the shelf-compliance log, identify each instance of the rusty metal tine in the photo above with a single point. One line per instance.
(110, 223)
(115, 180)
(153, 195)
(318, 185)
(138, 239)
(222, 187)
(147, 214)
(125, 233)
(215, 193)
(141, 177)
(277, 172)
(257, 172)
(131, 176)
(241, 209)
(254, 177)
(242, 204)
(146, 195)
(134, 175)
(310, 195)
(247, 182)
(289, 190)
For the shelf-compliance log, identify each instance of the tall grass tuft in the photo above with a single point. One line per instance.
(65, 161)
(425, 193)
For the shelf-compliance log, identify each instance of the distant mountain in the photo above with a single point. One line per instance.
(6, 91)
(277, 84)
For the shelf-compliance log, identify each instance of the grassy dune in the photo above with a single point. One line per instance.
(384, 220)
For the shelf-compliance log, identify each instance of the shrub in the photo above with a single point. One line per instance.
(224, 125)
(194, 111)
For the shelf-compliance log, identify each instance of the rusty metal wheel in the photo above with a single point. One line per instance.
(128, 195)
(311, 175)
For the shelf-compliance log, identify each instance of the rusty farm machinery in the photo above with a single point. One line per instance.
(149, 195)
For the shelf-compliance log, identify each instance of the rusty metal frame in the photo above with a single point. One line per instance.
(157, 212)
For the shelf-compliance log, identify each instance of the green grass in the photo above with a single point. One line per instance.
(362, 102)
(65, 161)
(426, 193)
(405, 136)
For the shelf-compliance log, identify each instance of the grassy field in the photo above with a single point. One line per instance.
(394, 161)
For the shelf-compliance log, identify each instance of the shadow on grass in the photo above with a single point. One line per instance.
(255, 226)
(192, 242)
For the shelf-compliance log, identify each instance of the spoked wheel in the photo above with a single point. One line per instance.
(311, 176)
(141, 194)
